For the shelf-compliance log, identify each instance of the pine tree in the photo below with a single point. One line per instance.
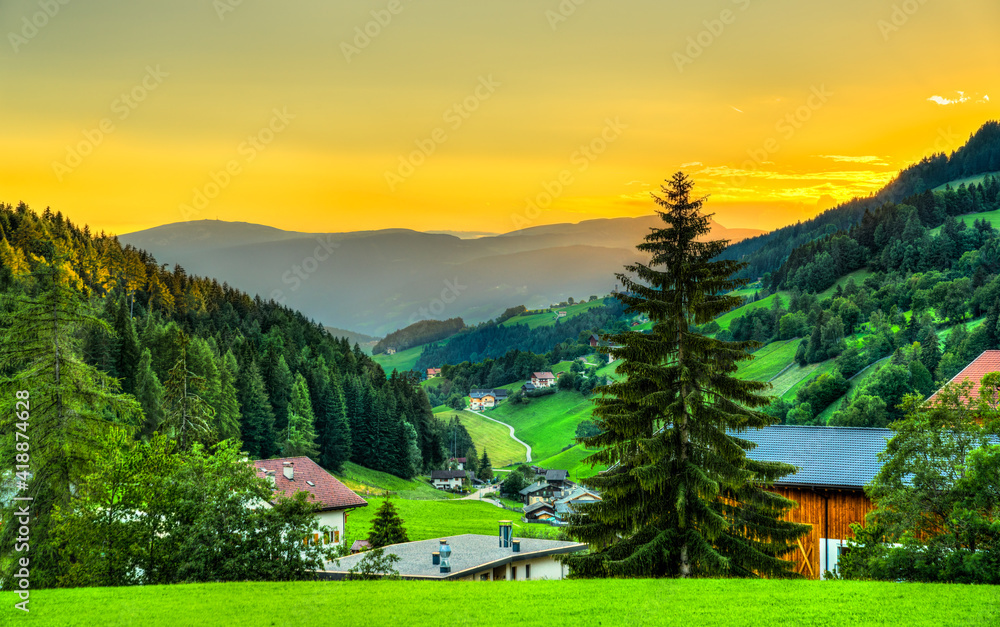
(69, 404)
(299, 437)
(485, 467)
(187, 416)
(227, 414)
(387, 526)
(149, 393)
(127, 359)
(681, 497)
(256, 417)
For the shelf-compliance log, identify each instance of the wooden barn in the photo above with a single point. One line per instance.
(835, 464)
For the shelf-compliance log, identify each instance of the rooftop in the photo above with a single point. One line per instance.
(534, 487)
(987, 362)
(470, 553)
(447, 474)
(556, 475)
(543, 375)
(831, 457)
(308, 476)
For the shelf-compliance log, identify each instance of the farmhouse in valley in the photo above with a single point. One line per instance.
(486, 399)
(433, 373)
(290, 475)
(987, 362)
(447, 479)
(471, 557)
(543, 379)
(835, 464)
(457, 462)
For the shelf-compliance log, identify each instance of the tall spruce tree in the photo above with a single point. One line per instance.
(127, 357)
(149, 393)
(256, 417)
(187, 417)
(227, 414)
(299, 437)
(681, 497)
(62, 405)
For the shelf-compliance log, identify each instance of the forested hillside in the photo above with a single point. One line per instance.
(765, 253)
(207, 362)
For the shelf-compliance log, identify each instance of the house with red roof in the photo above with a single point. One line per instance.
(290, 475)
(433, 373)
(987, 362)
(543, 379)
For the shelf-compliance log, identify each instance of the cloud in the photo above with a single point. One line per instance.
(735, 109)
(869, 159)
(692, 164)
(643, 183)
(962, 97)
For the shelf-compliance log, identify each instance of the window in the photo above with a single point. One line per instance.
(527, 571)
(336, 536)
(484, 577)
(513, 573)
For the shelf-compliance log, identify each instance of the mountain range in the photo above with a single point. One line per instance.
(376, 282)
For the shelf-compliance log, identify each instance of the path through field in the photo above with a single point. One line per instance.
(513, 437)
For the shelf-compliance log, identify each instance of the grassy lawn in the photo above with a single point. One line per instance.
(859, 277)
(486, 433)
(632, 602)
(769, 360)
(401, 361)
(548, 317)
(969, 180)
(425, 520)
(367, 482)
(572, 461)
(725, 319)
(547, 423)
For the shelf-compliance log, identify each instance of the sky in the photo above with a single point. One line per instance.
(477, 116)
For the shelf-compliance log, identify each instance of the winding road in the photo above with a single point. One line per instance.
(513, 437)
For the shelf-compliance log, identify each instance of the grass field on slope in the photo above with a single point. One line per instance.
(425, 520)
(401, 361)
(769, 360)
(366, 481)
(548, 317)
(725, 319)
(631, 602)
(571, 461)
(975, 179)
(495, 438)
(547, 423)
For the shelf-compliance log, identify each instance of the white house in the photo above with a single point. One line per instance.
(447, 479)
(543, 379)
(290, 475)
(472, 557)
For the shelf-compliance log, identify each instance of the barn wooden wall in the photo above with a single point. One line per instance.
(845, 507)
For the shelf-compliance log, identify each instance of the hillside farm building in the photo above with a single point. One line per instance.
(485, 399)
(543, 379)
(447, 479)
(835, 464)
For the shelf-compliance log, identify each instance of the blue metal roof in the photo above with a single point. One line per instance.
(830, 457)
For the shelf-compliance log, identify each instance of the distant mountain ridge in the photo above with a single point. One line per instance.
(375, 282)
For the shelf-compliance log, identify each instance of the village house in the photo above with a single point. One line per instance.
(472, 557)
(433, 373)
(565, 504)
(528, 387)
(390, 351)
(597, 342)
(486, 399)
(457, 462)
(291, 475)
(835, 464)
(987, 362)
(359, 546)
(447, 479)
(543, 379)
(539, 510)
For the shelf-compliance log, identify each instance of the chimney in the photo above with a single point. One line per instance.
(286, 467)
(517, 545)
(436, 558)
(445, 553)
(506, 533)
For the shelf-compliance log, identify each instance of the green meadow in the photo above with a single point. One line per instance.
(631, 602)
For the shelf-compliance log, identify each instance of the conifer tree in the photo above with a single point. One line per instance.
(227, 414)
(149, 393)
(69, 404)
(256, 417)
(485, 467)
(187, 416)
(681, 497)
(331, 419)
(299, 437)
(127, 358)
(387, 526)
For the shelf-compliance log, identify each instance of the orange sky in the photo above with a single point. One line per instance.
(452, 114)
